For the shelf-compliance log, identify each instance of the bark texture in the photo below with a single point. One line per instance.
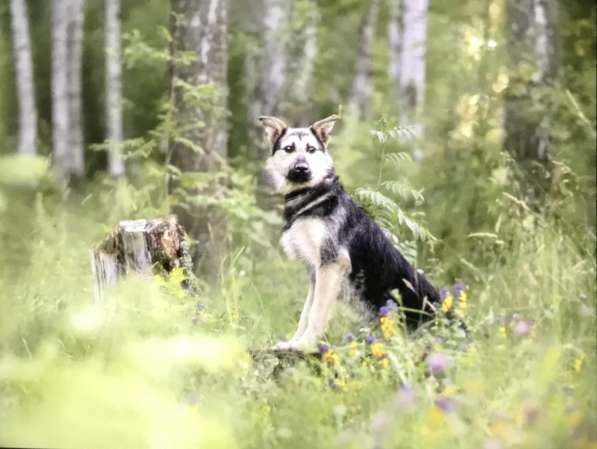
(114, 88)
(21, 43)
(139, 246)
(67, 133)
(533, 45)
(407, 31)
(198, 146)
(362, 86)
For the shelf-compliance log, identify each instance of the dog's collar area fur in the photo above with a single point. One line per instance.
(303, 201)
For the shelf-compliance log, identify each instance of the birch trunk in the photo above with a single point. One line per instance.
(60, 103)
(532, 41)
(276, 19)
(24, 78)
(114, 88)
(408, 37)
(362, 86)
(75, 53)
(199, 143)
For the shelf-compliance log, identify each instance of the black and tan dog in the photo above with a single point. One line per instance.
(338, 242)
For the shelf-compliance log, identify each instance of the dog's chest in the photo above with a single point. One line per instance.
(304, 239)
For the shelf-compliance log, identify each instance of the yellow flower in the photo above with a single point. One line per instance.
(377, 350)
(388, 328)
(330, 357)
(385, 363)
(448, 303)
(353, 348)
(462, 304)
(579, 362)
(502, 331)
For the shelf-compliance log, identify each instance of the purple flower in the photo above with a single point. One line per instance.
(406, 397)
(523, 327)
(445, 403)
(385, 310)
(371, 339)
(438, 364)
(323, 348)
(443, 292)
(457, 289)
(349, 337)
(391, 304)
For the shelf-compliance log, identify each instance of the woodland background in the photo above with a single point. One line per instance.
(468, 131)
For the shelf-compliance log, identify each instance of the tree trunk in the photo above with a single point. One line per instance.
(67, 134)
(24, 78)
(362, 86)
(276, 19)
(114, 88)
(75, 65)
(532, 43)
(408, 37)
(139, 246)
(198, 146)
(60, 104)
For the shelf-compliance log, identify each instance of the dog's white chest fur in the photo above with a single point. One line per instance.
(303, 240)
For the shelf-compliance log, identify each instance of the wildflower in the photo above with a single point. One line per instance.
(388, 327)
(523, 327)
(371, 339)
(391, 304)
(377, 350)
(406, 397)
(462, 304)
(385, 363)
(445, 404)
(447, 302)
(384, 311)
(458, 289)
(443, 292)
(437, 364)
(348, 338)
(328, 355)
(502, 331)
(579, 362)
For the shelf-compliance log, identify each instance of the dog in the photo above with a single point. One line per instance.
(337, 241)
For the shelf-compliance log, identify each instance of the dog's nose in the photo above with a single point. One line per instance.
(301, 167)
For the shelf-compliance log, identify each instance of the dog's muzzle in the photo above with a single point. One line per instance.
(300, 172)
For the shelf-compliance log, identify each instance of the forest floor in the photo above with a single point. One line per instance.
(156, 367)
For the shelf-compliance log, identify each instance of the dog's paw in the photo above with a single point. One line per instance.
(285, 346)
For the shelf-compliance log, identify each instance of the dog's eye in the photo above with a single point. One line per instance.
(289, 148)
(311, 149)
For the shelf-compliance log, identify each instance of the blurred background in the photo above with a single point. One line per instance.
(468, 131)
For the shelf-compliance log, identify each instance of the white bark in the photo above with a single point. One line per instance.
(362, 86)
(67, 46)
(276, 16)
(305, 65)
(24, 78)
(411, 70)
(114, 88)
(60, 104)
(75, 49)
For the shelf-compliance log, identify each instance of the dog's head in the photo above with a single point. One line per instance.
(299, 155)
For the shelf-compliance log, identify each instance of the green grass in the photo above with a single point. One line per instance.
(152, 369)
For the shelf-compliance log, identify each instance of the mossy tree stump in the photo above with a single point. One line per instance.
(139, 246)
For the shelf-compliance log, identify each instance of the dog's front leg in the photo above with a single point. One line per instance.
(328, 285)
(302, 326)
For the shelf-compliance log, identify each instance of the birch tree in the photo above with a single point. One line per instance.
(274, 65)
(407, 34)
(362, 85)
(198, 145)
(21, 42)
(67, 134)
(533, 51)
(114, 88)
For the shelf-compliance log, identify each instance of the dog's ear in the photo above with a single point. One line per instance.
(274, 127)
(323, 128)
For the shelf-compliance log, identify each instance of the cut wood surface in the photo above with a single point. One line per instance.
(139, 246)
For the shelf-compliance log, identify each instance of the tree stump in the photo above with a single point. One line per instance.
(139, 246)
